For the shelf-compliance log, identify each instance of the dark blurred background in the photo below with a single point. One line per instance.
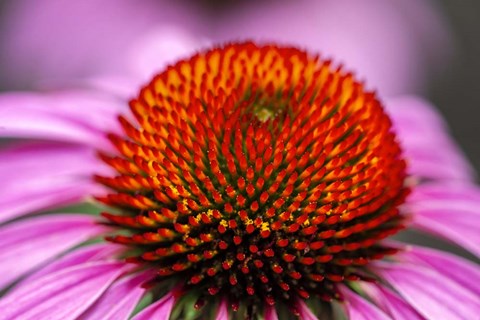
(455, 90)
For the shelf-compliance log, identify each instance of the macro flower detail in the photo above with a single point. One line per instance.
(245, 182)
(258, 173)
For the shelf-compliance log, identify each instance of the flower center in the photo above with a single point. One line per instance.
(256, 172)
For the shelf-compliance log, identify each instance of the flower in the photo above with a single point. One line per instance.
(59, 41)
(255, 179)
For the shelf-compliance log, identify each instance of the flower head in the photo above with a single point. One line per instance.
(256, 171)
(253, 179)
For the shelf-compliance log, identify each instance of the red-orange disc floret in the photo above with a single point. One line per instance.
(256, 171)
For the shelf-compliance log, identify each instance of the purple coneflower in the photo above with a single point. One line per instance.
(244, 182)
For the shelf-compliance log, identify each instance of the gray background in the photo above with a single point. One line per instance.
(457, 92)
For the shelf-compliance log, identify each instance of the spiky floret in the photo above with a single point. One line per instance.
(257, 172)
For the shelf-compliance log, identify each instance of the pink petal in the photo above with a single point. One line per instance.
(27, 244)
(64, 116)
(390, 303)
(360, 309)
(93, 109)
(432, 294)
(423, 163)
(119, 301)
(430, 151)
(270, 313)
(452, 215)
(22, 160)
(375, 38)
(305, 312)
(96, 252)
(160, 309)
(65, 294)
(151, 54)
(161, 47)
(462, 194)
(461, 231)
(222, 313)
(37, 176)
(464, 272)
(88, 37)
(55, 196)
(126, 86)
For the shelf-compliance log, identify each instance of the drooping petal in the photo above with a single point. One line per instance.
(305, 312)
(79, 117)
(432, 294)
(160, 309)
(451, 213)
(423, 134)
(61, 295)
(27, 244)
(119, 301)
(358, 308)
(390, 303)
(37, 176)
(454, 267)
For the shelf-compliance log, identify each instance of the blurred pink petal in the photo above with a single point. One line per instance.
(37, 159)
(161, 47)
(384, 42)
(432, 294)
(19, 120)
(358, 308)
(392, 44)
(462, 271)
(70, 116)
(56, 195)
(80, 287)
(95, 252)
(390, 302)
(464, 194)
(160, 309)
(270, 313)
(454, 217)
(120, 86)
(431, 153)
(222, 312)
(61, 40)
(119, 301)
(38, 176)
(460, 230)
(28, 244)
(305, 312)
(149, 55)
